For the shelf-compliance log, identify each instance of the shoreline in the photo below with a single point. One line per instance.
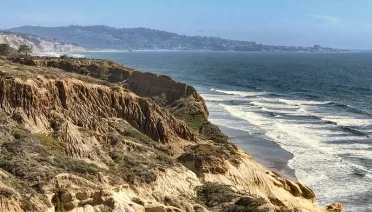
(265, 152)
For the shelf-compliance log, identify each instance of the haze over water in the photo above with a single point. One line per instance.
(316, 106)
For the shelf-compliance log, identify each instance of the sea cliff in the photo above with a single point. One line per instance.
(94, 135)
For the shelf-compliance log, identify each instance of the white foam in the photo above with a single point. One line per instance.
(317, 149)
(239, 93)
(58, 54)
(302, 102)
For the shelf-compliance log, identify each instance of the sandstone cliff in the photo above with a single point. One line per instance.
(38, 44)
(85, 135)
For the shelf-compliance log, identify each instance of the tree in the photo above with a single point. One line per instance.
(4, 49)
(24, 49)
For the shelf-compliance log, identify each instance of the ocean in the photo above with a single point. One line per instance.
(317, 106)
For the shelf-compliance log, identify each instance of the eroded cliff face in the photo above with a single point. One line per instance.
(72, 142)
(38, 44)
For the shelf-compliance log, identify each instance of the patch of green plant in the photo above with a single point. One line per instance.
(285, 209)
(193, 121)
(19, 132)
(52, 144)
(133, 168)
(214, 194)
(212, 132)
(164, 159)
(24, 158)
(64, 56)
(77, 166)
(57, 199)
(189, 111)
(105, 209)
(27, 205)
(246, 204)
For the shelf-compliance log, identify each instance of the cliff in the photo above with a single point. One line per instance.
(89, 135)
(38, 44)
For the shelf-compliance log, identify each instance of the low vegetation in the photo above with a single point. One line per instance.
(214, 194)
(4, 49)
(52, 144)
(227, 199)
(25, 50)
(189, 111)
(210, 158)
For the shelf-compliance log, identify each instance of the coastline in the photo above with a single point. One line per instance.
(265, 152)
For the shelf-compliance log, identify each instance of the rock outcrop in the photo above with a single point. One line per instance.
(85, 135)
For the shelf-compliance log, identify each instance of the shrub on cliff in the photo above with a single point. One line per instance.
(4, 49)
(246, 204)
(64, 56)
(25, 50)
(214, 194)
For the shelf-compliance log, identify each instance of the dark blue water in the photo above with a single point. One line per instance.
(318, 106)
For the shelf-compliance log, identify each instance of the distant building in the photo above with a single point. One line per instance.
(317, 47)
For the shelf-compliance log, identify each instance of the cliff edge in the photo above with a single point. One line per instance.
(93, 135)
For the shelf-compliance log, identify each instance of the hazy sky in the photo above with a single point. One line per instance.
(334, 23)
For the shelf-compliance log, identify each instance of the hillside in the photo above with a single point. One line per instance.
(104, 37)
(37, 44)
(92, 135)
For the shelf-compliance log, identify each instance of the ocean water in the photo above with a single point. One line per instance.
(318, 106)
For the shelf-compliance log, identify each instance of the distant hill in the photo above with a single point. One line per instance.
(37, 44)
(104, 37)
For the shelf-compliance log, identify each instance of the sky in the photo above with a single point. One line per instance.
(333, 23)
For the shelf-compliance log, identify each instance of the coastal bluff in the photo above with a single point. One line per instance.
(88, 135)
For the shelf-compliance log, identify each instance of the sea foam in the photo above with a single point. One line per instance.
(325, 154)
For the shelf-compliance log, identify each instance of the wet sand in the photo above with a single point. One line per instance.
(265, 152)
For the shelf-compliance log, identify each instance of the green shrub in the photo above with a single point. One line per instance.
(213, 194)
(246, 204)
(27, 205)
(133, 168)
(76, 166)
(64, 56)
(52, 144)
(57, 199)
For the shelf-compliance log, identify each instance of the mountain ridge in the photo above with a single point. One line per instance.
(98, 37)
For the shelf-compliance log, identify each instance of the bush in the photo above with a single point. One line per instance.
(57, 199)
(76, 166)
(212, 132)
(214, 194)
(133, 168)
(24, 49)
(246, 204)
(52, 144)
(64, 56)
(190, 111)
(4, 49)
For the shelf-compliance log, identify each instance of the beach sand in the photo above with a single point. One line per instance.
(265, 152)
